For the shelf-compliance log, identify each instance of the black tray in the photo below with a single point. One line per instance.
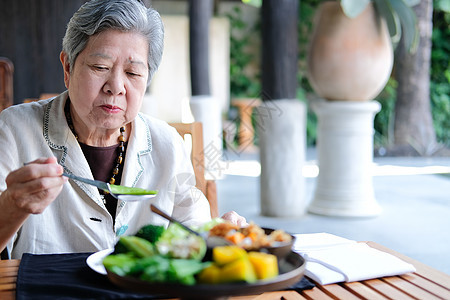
(291, 269)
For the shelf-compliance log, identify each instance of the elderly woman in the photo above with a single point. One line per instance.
(111, 49)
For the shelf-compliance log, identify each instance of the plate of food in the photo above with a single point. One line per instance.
(95, 260)
(291, 271)
(255, 238)
(172, 262)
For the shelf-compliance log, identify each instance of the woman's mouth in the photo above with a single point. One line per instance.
(111, 108)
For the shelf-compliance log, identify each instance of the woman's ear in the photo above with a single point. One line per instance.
(66, 67)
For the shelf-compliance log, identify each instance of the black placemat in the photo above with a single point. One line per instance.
(67, 276)
(303, 284)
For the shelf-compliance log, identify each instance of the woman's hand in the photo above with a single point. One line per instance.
(235, 218)
(30, 190)
(33, 187)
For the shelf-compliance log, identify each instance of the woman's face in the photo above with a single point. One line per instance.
(108, 81)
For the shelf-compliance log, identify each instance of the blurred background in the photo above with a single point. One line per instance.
(32, 31)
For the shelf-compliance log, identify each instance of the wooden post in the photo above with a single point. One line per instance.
(281, 117)
(279, 49)
(204, 107)
(199, 17)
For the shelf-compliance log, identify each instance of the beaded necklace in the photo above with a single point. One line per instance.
(121, 146)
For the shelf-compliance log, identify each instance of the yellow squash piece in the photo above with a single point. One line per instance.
(210, 274)
(264, 264)
(238, 270)
(227, 254)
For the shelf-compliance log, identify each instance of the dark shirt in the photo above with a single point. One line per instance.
(102, 161)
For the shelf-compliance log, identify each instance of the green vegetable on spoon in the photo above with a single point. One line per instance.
(120, 192)
(125, 190)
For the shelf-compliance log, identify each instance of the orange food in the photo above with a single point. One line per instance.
(236, 238)
(251, 237)
(222, 229)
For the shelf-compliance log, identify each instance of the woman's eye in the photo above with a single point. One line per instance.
(100, 68)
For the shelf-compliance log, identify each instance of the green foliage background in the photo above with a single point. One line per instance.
(245, 84)
(440, 71)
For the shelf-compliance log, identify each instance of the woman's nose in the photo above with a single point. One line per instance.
(115, 84)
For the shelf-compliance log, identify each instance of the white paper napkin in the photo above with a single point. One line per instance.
(330, 259)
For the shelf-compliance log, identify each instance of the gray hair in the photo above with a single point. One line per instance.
(96, 16)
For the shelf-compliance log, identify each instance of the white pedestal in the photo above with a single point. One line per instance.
(345, 154)
(282, 139)
(206, 109)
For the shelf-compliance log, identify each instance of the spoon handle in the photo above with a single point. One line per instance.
(166, 216)
(100, 184)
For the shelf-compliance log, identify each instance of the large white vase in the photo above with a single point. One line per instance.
(349, 59)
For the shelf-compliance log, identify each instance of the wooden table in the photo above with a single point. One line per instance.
(425, 283)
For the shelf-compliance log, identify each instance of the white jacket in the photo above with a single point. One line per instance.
(78, 221)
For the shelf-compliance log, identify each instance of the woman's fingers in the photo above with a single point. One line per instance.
(235, 218)
(42, 167)
(33, 187)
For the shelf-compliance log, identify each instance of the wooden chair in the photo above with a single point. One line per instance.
(47, 95)
(6, 83)
(208, 187)
(246, 134)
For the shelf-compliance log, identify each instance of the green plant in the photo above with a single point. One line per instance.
(439, 84)
(400, 18)
(256, 3)
(440, 71)
(242, 83)
(383, 123)
(307, 9)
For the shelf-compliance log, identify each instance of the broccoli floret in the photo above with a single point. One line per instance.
(120, 248)
(151, 232)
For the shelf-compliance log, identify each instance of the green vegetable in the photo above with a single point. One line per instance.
(155, 268)
(176, 242)
(120, 189)
(208, 225)
(151, 232)
(152, 268)
(121, 264)
(138, 246)
(120, 248)
(156, 254)
(184, 270)
(163, 269)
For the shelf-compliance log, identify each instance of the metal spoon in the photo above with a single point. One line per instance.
(125, 194)
(211, 241)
